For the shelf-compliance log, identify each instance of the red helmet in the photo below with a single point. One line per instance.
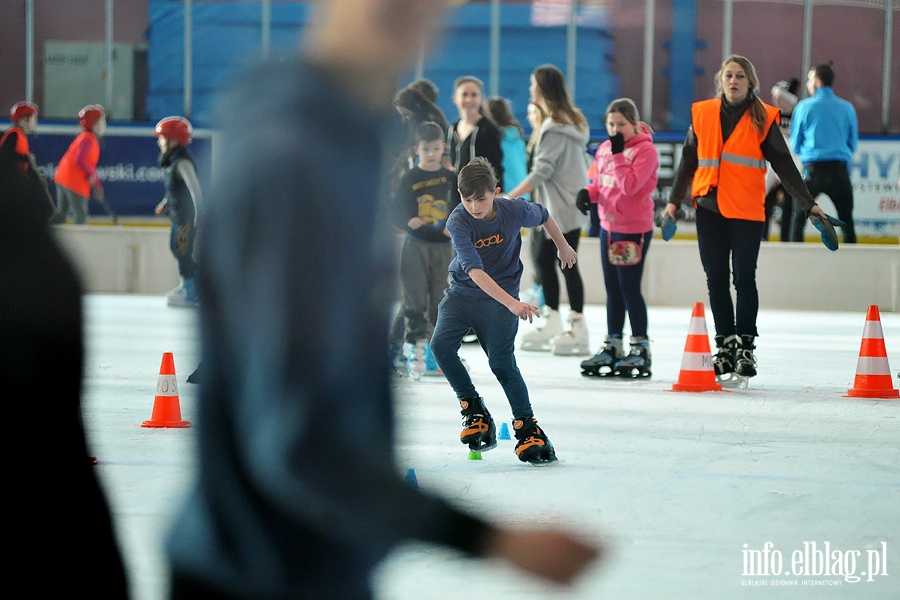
(22, 110)
(89, 115)
(175, 128)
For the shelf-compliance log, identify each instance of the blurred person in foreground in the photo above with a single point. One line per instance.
(42, 354)
(298, 494)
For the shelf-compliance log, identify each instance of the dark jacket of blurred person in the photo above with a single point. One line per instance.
(63, 518)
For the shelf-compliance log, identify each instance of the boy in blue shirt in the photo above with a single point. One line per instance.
(485, 231)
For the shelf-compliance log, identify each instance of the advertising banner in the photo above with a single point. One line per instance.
(133, 181)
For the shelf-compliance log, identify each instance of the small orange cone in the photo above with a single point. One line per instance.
(697, 372)
(873, 373)
(166, 406)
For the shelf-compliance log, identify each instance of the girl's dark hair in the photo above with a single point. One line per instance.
(423, 109)
(628, 109)
(502, 115)
(552, 83)
(427, 88)
(477, 177)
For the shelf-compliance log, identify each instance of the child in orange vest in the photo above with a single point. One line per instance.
(76, 173)
(14, 146)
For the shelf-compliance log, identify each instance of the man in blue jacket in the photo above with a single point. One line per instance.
(825, 134)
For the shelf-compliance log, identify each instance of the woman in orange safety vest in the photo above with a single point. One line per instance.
(731, 138)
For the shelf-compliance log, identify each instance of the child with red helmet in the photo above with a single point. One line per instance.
(14, 147)
(14, 142)
(76, 174)
(182, 202)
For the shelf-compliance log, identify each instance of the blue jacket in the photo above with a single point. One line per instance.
(824, 127)
(515, 159)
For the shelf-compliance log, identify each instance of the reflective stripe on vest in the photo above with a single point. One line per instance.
(743, 160)
(736, 169)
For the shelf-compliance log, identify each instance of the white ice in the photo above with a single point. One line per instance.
(676, 484)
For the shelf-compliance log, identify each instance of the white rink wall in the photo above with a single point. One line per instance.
(137, 260)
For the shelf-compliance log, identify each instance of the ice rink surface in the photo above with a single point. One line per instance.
(733, 494)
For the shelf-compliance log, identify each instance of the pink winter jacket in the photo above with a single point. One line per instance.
(623, 184)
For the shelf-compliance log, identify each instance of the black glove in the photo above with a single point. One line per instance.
(618, 142)
(583, 201)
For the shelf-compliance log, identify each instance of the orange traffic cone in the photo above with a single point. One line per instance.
(697, 373)
(166, 406)
(873, 373)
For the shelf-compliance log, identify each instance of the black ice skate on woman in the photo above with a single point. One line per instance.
(603, 363)
(723, 361)
(637, 364)
(745, 364)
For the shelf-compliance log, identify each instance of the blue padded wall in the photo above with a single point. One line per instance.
(228, 35)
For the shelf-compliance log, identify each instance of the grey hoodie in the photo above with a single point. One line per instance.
(559, 169)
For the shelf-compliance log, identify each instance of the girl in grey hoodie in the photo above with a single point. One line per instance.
(558, 171)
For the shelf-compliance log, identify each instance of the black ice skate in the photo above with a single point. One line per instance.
(479, 431)
(532, 445)
(637, 363)
(602, 364)
(725, 358)
(745, 364)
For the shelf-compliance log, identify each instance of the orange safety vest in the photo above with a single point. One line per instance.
(736, 169)
(21, 143)
(71, 176)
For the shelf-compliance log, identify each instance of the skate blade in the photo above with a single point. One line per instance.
(535, 347)
(479, 448)
(592, 373)
(743, 381)
(728, 380)
(543, 462)
(635, 374)
(572, 352)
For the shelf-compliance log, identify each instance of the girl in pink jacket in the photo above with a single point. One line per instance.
(625, 178)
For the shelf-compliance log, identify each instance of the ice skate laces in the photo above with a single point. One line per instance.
(745, 355)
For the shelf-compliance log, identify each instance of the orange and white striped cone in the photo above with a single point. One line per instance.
(873, 373)
(166, 406)
(697, 372)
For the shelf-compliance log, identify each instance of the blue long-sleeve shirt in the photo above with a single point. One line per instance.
(824, 127)
(297, 492)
